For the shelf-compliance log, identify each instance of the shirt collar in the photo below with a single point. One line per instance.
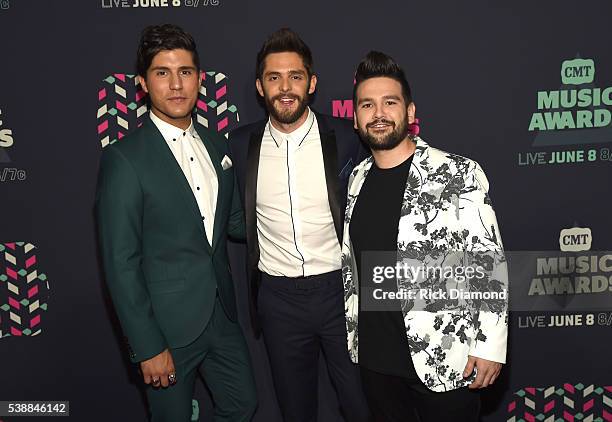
(298, 135)
(171, 132)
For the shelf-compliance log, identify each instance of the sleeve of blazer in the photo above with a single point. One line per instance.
(119, 209)
(236, 227)
(485, 245)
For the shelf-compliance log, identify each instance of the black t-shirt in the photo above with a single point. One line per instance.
(383, 345)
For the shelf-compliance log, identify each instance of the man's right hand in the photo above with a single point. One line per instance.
(155, 371)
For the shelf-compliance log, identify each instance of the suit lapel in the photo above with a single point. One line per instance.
(216, 161)
(179, 177)
(250, 195)
(330, 162)
(416, 177)
(354, 190)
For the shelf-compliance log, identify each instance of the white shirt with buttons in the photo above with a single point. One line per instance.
(295, 228)
(192, 156)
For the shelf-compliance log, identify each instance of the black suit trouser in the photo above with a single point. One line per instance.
(300, 317)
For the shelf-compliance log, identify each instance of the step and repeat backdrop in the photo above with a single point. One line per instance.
(523, 88)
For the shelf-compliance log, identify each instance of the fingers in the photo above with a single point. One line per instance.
(171, 375)
(164, 381)
(159, 371)
(487, 379)
(172, 378)
(487, 373)
(161, 379)
(469, 367)
(480, 377)
(494, 377)
(496, 374)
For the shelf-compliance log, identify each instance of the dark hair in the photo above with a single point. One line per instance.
(377, 64)
(284, 40)
(156, 38)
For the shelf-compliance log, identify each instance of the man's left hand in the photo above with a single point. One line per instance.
(487, 371)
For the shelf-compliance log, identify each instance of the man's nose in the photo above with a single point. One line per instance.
(175, 82)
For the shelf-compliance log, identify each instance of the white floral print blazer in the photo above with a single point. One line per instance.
(446, 211)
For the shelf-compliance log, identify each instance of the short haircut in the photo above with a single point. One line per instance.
(156, 38)
(376, 65)
(282, 41)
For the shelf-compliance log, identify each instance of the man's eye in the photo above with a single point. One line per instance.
(390, 102)
(272, 78)
(366, 105)
(187, 72)
(161, 73)
(297, 77)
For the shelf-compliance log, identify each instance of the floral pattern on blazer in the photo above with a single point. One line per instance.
(446, 216)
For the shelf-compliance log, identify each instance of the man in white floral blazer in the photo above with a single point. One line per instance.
(425, 277)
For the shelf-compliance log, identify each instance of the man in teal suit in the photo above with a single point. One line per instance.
(166, 202)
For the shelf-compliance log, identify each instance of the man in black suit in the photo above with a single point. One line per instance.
(293, 170)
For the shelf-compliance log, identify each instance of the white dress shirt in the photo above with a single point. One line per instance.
(295, 228)
(192, 156)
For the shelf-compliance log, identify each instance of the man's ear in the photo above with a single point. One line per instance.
(411, 111)
(313, 84)
(259, 87)
(143, 83)
(355, 120)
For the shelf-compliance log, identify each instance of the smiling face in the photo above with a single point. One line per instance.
(172, 82)
(286, 87)
(381, 114)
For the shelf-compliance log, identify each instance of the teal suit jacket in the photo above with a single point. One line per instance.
(161, 271)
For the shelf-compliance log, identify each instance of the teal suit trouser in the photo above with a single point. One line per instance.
(221, 357)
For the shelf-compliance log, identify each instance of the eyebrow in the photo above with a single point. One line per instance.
(291, 72)
(386, 97)
(167, 68)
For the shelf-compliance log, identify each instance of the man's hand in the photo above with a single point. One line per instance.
(157, 370)
(487, 371)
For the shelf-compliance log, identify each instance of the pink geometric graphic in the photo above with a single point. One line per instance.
(571, 402)
(24, 290)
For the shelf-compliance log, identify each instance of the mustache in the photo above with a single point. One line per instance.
(280, 96)
(379, 121)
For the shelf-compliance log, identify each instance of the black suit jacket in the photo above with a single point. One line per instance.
(342, 151)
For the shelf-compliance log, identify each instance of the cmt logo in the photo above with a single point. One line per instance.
(577, 71)
(577, 104)
(4, 4)
(575, 239)
(6, 135)
(24, 290)
(122, 106)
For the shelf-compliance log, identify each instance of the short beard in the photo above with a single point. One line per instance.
(288, 117)
(387, 142)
